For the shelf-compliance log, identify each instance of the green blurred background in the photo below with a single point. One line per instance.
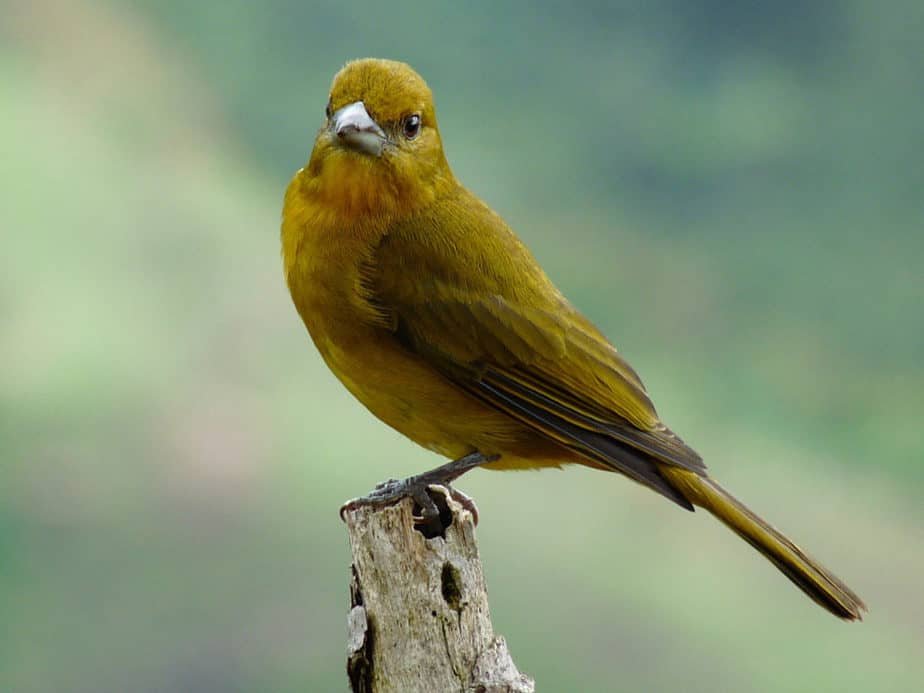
(731, 190)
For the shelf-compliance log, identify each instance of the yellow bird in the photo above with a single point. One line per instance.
(438, 319)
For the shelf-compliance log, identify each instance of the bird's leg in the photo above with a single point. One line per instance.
(391, 491)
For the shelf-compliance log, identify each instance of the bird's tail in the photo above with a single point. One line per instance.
(808, 575)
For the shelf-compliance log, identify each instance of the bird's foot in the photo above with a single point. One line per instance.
(394, 490)
(426, 509)
(465, 500)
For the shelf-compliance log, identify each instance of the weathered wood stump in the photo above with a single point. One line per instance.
(419, 619)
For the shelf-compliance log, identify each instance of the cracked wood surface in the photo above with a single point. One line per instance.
(419, 619)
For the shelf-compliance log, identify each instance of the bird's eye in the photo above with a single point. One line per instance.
(328, 111)
(411, 126)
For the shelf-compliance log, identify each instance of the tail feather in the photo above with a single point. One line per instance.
(804, 571)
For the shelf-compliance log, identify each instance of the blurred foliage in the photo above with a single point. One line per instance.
(778, 142)
(731, 190)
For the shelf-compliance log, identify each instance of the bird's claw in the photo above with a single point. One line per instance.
(465, 500)
(392, 491)
(417, 487)
(384, 494)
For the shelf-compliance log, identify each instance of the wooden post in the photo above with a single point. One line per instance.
(419, 618)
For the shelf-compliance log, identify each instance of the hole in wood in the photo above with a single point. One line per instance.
(438, 525)
(451, 586)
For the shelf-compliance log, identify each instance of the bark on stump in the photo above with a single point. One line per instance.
(419, 618)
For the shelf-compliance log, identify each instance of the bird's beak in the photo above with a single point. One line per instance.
(354, 128)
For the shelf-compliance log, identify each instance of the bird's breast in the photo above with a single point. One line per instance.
(324, 266)
(324, 275)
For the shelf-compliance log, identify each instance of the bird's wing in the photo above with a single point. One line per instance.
(472, 301)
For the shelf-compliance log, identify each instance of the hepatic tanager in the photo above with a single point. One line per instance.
(438, 319)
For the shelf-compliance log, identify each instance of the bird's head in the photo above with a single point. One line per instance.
(379, 149)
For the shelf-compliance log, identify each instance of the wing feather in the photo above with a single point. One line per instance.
(486, 316)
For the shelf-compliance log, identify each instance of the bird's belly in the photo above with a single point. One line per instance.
(397, 386)
(409, 395)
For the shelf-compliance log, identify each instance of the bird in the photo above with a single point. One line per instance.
(438, 319)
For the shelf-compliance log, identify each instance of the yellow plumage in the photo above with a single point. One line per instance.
(438, 319)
